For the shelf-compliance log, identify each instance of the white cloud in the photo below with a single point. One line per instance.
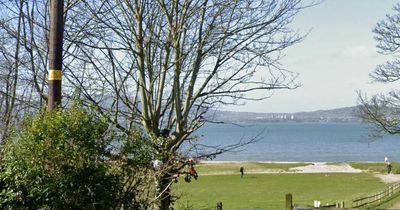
(359, 51)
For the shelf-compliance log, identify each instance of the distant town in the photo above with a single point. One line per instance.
(347, 114)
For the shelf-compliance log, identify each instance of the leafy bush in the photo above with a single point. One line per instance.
(59, 160)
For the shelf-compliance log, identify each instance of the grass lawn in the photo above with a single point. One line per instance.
(267, 191)
(376, 167)
(249, 167)
(388, 204)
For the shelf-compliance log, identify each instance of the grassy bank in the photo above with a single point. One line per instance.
(376, 167)
(250, 167)
(267, 191)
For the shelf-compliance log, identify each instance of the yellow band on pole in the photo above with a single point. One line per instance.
(55, 74)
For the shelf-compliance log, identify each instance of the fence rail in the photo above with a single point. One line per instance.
(377, 197)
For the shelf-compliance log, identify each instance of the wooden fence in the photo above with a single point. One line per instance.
(377, 197)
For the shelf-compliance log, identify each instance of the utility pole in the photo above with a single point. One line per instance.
(55, 53)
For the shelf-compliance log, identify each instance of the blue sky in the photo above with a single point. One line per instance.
(335, 59)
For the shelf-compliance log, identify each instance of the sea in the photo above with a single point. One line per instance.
(300, 142)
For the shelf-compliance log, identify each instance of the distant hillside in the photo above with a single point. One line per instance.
(347, 114)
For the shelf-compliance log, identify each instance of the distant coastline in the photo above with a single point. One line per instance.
(346, 114)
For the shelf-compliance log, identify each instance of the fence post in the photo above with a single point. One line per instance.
(340, 204)
(289, 202)
(390, 191)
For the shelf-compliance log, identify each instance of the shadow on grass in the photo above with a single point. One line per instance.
(250, 177)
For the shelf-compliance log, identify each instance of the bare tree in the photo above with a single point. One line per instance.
(384, 110)
(153, 65)
(162, 65)
(23, 57)
(12, 62)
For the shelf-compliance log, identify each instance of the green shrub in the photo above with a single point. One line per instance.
(59, 160)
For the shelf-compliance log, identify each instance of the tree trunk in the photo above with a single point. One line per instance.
(164, 190)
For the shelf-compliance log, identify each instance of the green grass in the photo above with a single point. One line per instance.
(249, 167)
(267, 191)
(389, 203)
(376, 167)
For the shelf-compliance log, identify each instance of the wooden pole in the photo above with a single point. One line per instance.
(289, 202)
(55, 53)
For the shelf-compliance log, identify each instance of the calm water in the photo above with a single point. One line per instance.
(330, 142)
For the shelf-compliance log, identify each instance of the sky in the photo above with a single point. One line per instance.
(335, 59)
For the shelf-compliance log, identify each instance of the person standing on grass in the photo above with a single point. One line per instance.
(241, 172)
(389, 167)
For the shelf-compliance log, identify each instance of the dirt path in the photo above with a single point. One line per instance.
(389, 178)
